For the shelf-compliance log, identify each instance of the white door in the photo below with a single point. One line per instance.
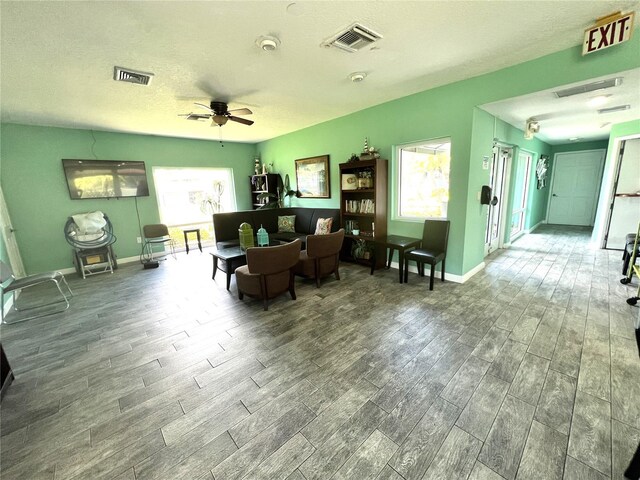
(575, 187)
(495, 213)
(625, 206)
(9, 237)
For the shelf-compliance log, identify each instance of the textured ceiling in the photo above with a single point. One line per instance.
(57, 58)
(563, 119)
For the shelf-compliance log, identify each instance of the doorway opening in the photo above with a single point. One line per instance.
(624, 211)
(188, 197)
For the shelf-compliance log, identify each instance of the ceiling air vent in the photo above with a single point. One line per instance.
(354, 38)
(127, 75)
(589, 87)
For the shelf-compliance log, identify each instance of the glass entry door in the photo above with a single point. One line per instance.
(497, 182)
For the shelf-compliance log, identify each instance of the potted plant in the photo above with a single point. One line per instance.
(360, 249)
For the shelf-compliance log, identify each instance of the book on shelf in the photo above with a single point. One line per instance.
(359, 206)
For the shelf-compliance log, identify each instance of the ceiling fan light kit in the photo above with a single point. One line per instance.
(220, 114)
(219, 120)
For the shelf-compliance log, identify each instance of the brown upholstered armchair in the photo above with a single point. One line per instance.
(321, 258)
(268, 272)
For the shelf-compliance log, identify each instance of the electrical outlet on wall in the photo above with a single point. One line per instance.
(139, 239)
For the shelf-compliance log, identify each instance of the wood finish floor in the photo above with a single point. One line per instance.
(530, 370)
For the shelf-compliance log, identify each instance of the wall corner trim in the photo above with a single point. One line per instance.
(535, 226)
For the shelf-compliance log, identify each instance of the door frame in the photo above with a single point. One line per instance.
(613, 186)
(553, 178)
(502, 218)
(13, 250)
(8, 236)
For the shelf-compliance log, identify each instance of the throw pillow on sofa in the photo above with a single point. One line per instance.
(323, 227)
(287, 224)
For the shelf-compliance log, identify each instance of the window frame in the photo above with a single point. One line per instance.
(397, 170)
(176, 228)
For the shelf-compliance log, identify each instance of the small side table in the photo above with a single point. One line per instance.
(186, 239)
(227, 260)
(395, 242)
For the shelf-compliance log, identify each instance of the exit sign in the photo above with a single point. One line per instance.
(608, 31)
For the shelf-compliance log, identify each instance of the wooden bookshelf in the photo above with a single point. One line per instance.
(366, 207)
(265, 183)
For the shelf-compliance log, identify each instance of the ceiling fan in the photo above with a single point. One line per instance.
(219, 114)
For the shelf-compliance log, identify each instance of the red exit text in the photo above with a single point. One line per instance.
(603, 36)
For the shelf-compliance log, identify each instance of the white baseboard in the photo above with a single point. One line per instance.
(120, 261)
(541, 222)
(447, 276)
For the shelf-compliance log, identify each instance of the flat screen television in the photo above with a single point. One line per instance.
(105, 179)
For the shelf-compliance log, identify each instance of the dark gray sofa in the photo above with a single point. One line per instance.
(225, 225)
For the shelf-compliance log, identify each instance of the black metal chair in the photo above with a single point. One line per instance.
(433, 249)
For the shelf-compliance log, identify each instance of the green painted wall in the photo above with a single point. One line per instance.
(38, 200)
(39, 204)
(488, 128)
(447, 111)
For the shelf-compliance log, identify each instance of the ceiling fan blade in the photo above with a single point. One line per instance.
(195, 116)
(240, 111)
(244, 121)
(206, 107)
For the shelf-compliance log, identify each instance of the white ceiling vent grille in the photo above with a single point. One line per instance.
(354, 38)
(131, 76)
(589, 87)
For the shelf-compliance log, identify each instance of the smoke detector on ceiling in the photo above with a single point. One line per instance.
(357, 77)
(121, 74)
(267, 43)
(354, 38)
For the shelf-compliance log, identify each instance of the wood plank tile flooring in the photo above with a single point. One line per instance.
(528, 371)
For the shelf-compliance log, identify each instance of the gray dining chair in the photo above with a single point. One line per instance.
(156, 234)
(10, 284)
